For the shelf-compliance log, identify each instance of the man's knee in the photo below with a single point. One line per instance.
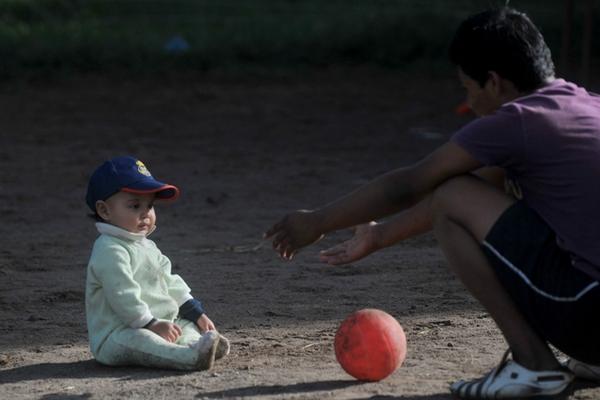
(448, 195)
(470, 202)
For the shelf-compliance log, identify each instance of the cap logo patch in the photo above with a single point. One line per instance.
(142, 168)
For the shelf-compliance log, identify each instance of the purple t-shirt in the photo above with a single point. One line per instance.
(548, 143)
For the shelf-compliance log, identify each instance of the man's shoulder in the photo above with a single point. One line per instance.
(558, 94)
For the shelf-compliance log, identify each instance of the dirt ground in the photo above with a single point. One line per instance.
(244, 151)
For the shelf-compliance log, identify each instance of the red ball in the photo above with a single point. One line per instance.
(370, 344)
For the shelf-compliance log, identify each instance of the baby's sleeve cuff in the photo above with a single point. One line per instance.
(191, 310)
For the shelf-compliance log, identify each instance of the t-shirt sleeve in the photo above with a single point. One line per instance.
(494, 140)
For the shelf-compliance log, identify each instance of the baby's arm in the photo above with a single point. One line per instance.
(189, 307)
(192, 310)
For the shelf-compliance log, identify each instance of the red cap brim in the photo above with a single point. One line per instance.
(166, 188)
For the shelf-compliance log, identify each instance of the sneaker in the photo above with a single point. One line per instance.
(583, 371)
(223, 348)
(207, 348)
(510, 380)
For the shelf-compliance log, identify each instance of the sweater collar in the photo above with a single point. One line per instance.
(121, 233)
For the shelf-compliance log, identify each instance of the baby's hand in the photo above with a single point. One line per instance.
(167, 330)
(205, 324)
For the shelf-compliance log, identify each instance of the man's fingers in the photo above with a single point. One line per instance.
(332, 251)
(340, 257)
(283, 246)
(273, 230)
(289, 253)
(279, 239)
(326, 258)
(285, 252)
(338, 260)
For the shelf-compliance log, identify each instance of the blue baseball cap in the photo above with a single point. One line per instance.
(125, 174)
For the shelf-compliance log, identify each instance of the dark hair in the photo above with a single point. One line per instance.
(505, 41)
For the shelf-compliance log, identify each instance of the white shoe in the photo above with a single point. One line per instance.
(509, 380)
(223, 348)
(207, 348)
(584, 371)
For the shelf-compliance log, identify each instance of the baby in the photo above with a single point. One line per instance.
(138, 312)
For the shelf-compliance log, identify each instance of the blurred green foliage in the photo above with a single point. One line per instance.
(45, 36)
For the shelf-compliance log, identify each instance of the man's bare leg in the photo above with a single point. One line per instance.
(464, 210)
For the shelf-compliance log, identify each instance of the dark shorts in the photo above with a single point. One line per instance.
(561, 302)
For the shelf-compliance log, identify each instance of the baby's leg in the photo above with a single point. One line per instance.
(191, 334)
(145, 348)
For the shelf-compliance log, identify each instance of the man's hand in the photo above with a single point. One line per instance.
(364, 242)
(294, 231)
(167, 330)
(205, 324)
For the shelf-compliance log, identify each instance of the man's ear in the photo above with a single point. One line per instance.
(500, 87)
(102, 210)
(495, 82)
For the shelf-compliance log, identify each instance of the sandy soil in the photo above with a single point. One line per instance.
(244, 151)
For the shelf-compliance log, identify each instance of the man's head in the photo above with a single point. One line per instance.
(122, 192)
(506, 42)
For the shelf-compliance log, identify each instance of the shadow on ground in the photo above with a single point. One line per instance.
(266, 390)
(62, 396)
(82, 370)
(324, 386)
(423, 397)
(304, 388)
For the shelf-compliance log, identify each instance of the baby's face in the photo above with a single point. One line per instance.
(130, 211)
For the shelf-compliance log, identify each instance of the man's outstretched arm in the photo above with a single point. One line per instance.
(385, 195)
(373, 236)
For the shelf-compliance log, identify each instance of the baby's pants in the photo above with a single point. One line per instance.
(143, 347)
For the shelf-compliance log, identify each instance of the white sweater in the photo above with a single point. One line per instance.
(128, 283)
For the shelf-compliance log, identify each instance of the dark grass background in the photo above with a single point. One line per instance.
(45, 38)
